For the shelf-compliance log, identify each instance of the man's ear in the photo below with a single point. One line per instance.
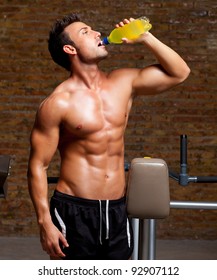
(69, 49)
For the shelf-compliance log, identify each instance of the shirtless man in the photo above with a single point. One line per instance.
(85, 118)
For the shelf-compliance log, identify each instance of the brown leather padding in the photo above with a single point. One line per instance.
(148, 195)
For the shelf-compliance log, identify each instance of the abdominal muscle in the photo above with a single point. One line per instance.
(98, 175)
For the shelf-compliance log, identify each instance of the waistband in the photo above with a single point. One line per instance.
(87, 202)
(101, 204)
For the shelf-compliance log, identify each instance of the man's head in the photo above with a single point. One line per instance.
(58, 38)
(70, 36)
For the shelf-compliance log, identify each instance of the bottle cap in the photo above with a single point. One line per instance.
(105, 41)
(144, 18)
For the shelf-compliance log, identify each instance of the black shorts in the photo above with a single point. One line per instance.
(94, 229)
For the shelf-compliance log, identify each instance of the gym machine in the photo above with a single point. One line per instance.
(150, 180)
(4, 172)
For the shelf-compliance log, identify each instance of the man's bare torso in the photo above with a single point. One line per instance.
(91, 138)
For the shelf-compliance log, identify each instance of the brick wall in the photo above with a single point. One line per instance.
(28, 75)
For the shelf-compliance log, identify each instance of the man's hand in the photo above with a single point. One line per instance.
(51, 238)
(125, 21)
(127, 41)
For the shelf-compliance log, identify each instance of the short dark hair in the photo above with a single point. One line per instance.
(58, 38)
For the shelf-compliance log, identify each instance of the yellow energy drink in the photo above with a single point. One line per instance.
(130, 31)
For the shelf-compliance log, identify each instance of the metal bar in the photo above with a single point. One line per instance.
(135, 226)
(4, 173)
(174, 175)
(193, 205)
(183, 149)
(152, 240)
(142, 240)
(183, 176)
(147, 238)
(206, 179)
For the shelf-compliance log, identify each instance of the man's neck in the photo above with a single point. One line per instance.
(88, 75)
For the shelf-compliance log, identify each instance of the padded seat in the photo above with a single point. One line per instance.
(148, 195)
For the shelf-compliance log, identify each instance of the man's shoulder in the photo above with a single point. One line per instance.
(58, 97)
(54, 106)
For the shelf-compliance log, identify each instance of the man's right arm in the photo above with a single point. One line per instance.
(44, 141)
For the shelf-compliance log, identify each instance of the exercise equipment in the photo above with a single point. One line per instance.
(4, 172)
(146, 242)
(148, 198)
(148, 189)
(183, 178)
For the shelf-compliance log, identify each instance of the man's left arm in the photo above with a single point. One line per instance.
(170, 71)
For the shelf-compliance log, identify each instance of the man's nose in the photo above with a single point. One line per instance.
(98, 34)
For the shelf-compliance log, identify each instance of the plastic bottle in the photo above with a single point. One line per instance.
(131, 31)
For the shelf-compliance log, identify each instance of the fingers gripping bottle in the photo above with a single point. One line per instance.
(131, 31)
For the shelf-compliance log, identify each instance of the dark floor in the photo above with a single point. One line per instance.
(12, 248)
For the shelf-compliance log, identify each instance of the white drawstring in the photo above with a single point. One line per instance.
(59, 219)
(107, 219)
(128, 233)
(63, 226)
(100, 222)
